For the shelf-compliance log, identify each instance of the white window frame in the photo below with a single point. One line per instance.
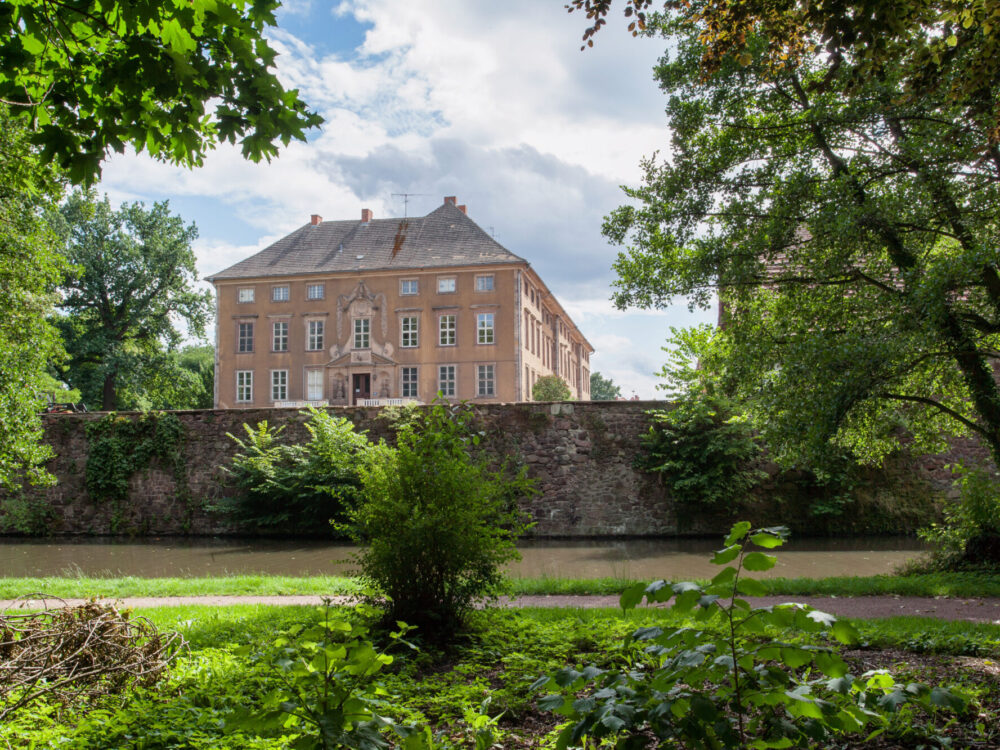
(409, 333)
(244, 386)
(279, 342)
(279, 385)
(409, 388)
(315, 291)
(485, 283)
(486, 333)
(240, 338)
(404, 290)
(448, 387)
(245, 295)
(448, 334)
(278, 296)
(447, 285)
(362, 333)
(314, 374)
(486, 374)
(315, 333)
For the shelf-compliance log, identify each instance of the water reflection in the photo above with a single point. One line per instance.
(638, 558)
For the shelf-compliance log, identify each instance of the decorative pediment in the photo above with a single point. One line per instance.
(361, 303)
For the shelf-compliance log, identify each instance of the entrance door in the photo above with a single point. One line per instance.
(362, 384)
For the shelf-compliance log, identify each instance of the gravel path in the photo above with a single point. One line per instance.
(943, 608)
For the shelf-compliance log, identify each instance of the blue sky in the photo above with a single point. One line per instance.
(492, 102)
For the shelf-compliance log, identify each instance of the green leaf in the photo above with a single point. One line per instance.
(552, 702)
(726, 555)
(751, 587)
(940, 696)
(726, 575)
(759, 561)
(768, 541)
(795, 657)
(844, 632)
(632, 596)
(737, 532)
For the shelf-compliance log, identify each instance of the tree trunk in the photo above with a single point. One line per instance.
(109, 394)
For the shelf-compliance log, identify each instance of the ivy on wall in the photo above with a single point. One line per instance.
(120, 446)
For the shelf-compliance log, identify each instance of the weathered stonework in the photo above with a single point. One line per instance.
(581, 453)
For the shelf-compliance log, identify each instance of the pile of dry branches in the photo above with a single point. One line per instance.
(70, 652)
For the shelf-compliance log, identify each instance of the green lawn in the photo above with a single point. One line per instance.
(930, 584)
(504, 651)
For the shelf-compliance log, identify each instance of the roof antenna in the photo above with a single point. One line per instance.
(406, 199)
(493, 234)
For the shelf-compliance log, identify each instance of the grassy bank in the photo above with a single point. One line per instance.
(930, 584)
(486, 674)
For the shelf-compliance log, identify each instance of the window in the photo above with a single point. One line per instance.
(410, 336)
(484, 328)
(314, 385)
(486, 381)
(484, 283)
(279, 293)
(446, 380)
(446, 286)
(245, 338)
(315, 291)
(408, 286)
(315, 339)
(244, 295)
(244, 386)
(409, 389)
(279, 336)
(362, 333)
(279, 385)
(446, 330)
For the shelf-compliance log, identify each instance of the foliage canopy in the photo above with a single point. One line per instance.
(170, 77)
(133, 277)
(849, 231)
(550, 388)
(603, 389)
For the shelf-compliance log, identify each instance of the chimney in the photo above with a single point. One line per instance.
(315, 219)
(462, 209)
(450, 199)
(366, 215)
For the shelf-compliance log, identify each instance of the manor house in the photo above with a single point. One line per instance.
(388, 310)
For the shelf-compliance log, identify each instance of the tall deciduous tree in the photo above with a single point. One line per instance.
(29, 271)
(602, 388)
(172, 77)
(550, 388)
(851, 231)
(133, 279)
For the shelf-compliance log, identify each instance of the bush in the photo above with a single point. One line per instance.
(299, 487)
(731, 685)
(702, 454)
(550, 388)
(969, 538)
(437, 522)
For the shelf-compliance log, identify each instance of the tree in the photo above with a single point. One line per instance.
(603, 389)
(29, 271)
(850, 232)
(948, 48)
(172, 77)
(133, 276)
(550, 388)
(200, 362)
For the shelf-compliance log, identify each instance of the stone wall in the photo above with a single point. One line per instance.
(581, 453)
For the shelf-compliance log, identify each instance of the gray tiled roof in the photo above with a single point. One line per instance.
(445, 237)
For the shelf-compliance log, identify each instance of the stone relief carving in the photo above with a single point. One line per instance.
(361, 302)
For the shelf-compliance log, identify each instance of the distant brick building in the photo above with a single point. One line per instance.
(346, 312)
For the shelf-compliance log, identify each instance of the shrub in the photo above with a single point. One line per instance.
(437, 522)
(702, 454)
(26, 514)
(729, 687)
(297, 486)
(550, 388)
(970, 534)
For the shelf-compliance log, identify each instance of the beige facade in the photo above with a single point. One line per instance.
(482, 330)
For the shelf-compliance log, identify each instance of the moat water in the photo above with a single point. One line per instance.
(633, 558)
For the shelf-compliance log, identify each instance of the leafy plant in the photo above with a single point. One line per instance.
(733, 687)
(25, 514)
(297, 486)
(327, 697)
(970, 534)
(437, 522)
(701, 451)
(120, 446)
(550, 388)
